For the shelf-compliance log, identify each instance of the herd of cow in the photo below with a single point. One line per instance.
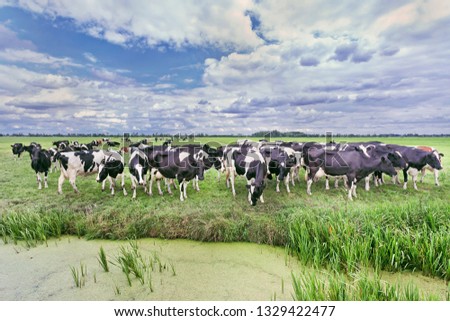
(256, 161)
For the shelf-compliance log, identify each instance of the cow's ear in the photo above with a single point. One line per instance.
(12, 145)
(357, 149)
(440, 154)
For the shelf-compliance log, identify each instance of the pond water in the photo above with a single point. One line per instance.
(193, 271)
(186, 270)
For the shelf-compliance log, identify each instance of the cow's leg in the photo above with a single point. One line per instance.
(375, 179)
(171, 181)
(45, 180)
(250, 189)
(196, 187)
(293, 173)
(60, 182)
(350, 192)
(186, 183)
(308, 186)
(112, 185)
(112, 182)
(278, 185)
(158, 184)
(354, 189)
(436, 177)
(261, 198)
(336, 182)
(150, 184)
(72, 179)
(286, 182)
(38, 178)
(103, 185)
(227, 177)
(232, 182)
(327, 183)
(414, 173)
(396, 180)
(380, 178)
(367, 182)
(133, 185)
(122, 177)
(423, 172)
(405, 178)
(181, 190)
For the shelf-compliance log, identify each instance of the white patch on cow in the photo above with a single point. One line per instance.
(320, 173)
(183, 156)
(398, 153)
(364, 150)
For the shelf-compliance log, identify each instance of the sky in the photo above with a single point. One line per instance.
(225, 66)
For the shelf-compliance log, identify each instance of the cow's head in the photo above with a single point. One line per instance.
(387, 167)
(256, 190)
(102, 172)
(200, 170)
(433, 161)
(17, 148)
(397, 160)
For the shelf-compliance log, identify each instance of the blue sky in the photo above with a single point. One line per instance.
(240, 66)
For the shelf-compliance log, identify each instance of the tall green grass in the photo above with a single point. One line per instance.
(357, 286)
(409, 236)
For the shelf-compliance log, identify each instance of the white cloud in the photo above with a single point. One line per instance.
(221, 23)
(90, 57)
(29, 56)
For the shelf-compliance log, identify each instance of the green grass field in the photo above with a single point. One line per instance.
(385, 229)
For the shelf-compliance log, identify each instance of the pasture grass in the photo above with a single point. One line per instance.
(387, 228)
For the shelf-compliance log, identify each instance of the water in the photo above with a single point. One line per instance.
(193, 271)
(203, 271)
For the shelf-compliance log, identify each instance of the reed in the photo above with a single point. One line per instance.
(102, 259)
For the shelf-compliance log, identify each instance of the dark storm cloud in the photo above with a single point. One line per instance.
(309, 61)
(343, 52)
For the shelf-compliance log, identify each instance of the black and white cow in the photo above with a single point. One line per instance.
(213, 158)
(417, 159)
(77, 163)
(41, 163)
(112, 167)
(138, 166)
(249, 163)
(61, 144)
(428, 167)
(376, 149)
(279, 161)
(354, 165)
(178, 163)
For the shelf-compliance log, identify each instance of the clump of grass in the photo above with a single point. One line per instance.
(79, 275)
(102, 259)
(33, 227)
(134, 265)
(355, 287)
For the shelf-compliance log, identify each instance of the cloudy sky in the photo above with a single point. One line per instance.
(225, 66)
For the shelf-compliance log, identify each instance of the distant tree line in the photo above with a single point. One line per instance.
(185, 136)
